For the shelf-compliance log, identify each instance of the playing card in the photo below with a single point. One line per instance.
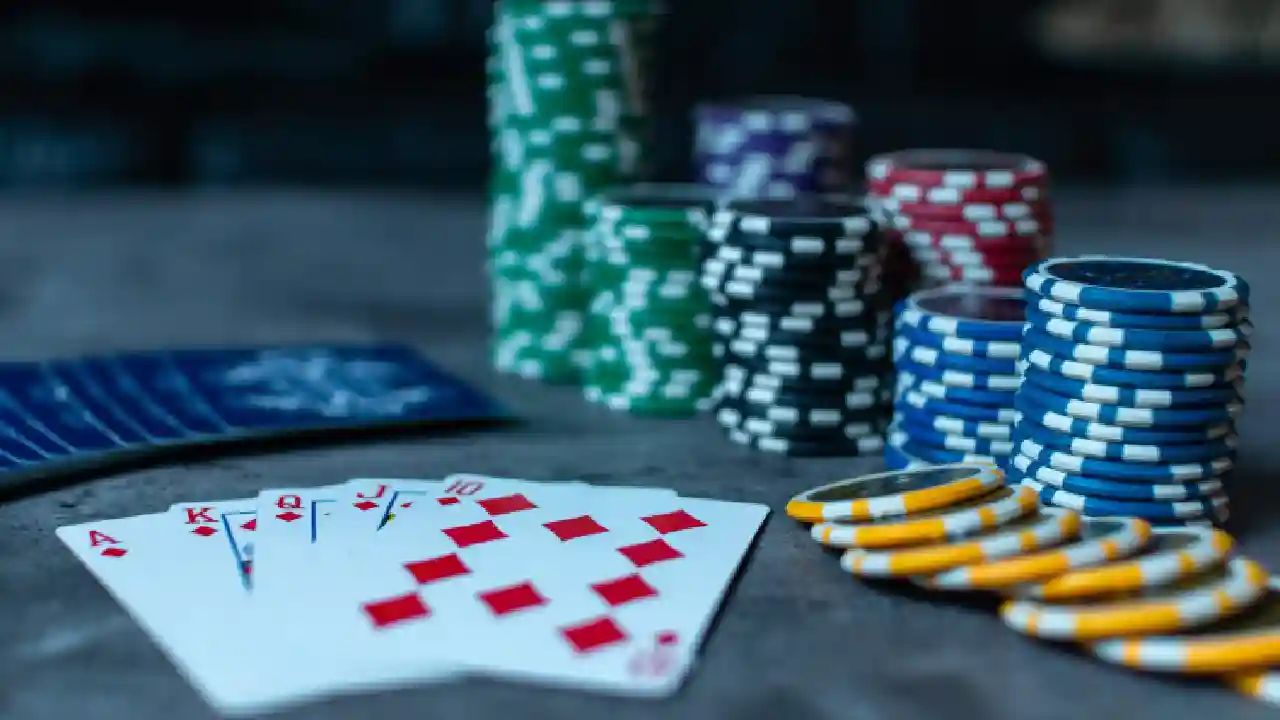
(264, 390)
(162, 384)
(42, 400)
(177, 575)
(91, 396)
(24, 428)
(115, 387)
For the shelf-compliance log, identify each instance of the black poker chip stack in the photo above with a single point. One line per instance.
(800, 325)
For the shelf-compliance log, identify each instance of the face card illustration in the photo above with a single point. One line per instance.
(166, 575)
(241, 527)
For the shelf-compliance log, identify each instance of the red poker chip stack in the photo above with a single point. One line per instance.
(976, 216)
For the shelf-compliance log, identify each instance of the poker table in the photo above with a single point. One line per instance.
(799, 638)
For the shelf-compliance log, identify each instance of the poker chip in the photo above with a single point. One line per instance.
(985, 513)
(978, 413)
(1263, 685)
(896, 493)
(805, 336)
(935, 455)
(1137, 284)
(1212, 596)
(1150, 321)
(972, 396)
(1096, 506)
(771, 146)
(993, 349)
(895, 459)
(1049, 527)
(1101, 540)
(1113, 489)
(947, 441)
(1132, 382)
(976, 313)
(1173, 554)
(963, 378)
(903, 349)
(569, 117)
(907, 415)
(1248, 641)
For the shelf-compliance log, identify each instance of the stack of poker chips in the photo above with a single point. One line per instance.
(1132, 376)
(1175, 600)
(973, 216)
(797, 325)
(774, 146)
(647, 341)
(955, 349)
(569, 118)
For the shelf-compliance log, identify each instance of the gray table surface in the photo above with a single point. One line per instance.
(799, 638)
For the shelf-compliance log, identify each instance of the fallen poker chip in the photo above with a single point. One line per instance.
(1173, 554)
(1113, 489)
(895, 493)
(1149, 472)
(1248, 641)
(997, 349)
(1147, 321)
(1075, 427)
(1209, 597)
(1047, 528)
(977, 313)
(1134, 359)
(1103, 450)
(985, 513)
(1135, 339)
(1101, 540)
(1130, 416)
(1102, 375)
(1100, 507)
(1137, 284)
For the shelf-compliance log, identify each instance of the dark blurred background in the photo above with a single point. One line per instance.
(390, 92)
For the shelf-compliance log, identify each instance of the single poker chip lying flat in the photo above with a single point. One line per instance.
(1075, 427)
(1086, 448)
(1149, 321)
(1136, 471)
(1114, 489)
(1049, 527)
(1103, 375)
(1250, 640)
(1208, 598)
(1136, 284)
(1097, 507)
(1171, 340)
(1102, 540)
(987, 512)
(976, 313)
(1205, 416)
(1174, 554)
(1154, 360)
(891, 494)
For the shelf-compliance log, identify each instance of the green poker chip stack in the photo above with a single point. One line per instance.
(569, 118)
(647, 344)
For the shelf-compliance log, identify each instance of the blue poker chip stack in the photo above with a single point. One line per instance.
(1132, 372)
(956, 355)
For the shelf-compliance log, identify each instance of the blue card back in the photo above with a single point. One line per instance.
(46, 401)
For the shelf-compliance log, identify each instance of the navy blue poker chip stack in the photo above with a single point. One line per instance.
(955, 350)
(799, 326)
(1133, 371)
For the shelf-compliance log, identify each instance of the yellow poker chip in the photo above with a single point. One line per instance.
(1101, 540)
(1249, 641)
(987, 512)
(1047, 528)
(1173, 554)
(1261, 685)
(899, 492)
(1217, 594)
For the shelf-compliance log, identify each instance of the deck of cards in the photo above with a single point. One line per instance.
(87, 412)
(302, 593)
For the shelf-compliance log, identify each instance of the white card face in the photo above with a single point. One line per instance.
(293, 525)
(182, 583)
